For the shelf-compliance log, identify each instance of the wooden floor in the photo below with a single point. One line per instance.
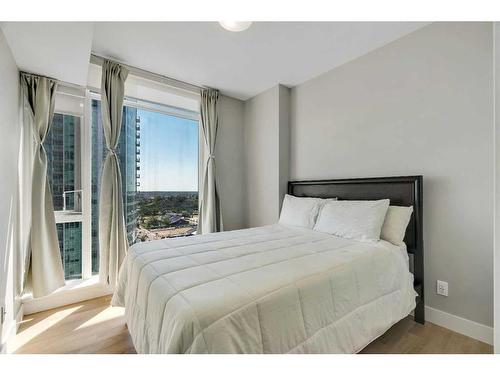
(95, 327)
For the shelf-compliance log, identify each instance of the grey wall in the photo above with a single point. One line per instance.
(261, 135)
(9, 126)
(497, 187)
(266, 161)
(284, 142)
(229, 151)
(420, 105)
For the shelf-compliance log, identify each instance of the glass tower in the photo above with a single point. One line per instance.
(128, 154)
(62, 145)
(70, 245)
(128, 149)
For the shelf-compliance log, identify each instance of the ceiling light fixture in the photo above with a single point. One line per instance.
(235, 26)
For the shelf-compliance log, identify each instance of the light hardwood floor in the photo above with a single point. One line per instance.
(95, 327)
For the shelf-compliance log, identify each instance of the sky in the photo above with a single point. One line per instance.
(169, 153)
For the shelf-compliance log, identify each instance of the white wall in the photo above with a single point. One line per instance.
(266, 161)
(9, 126)
(420, 105)
(229, 152)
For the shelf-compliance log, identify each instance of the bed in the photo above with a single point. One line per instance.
(276, 289)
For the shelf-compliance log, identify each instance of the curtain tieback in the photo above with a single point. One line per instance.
(211, 156)
(112, 151)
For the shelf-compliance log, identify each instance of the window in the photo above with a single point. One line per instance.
(168, 183)
(128, 156)
(63, 146)
(158, 156)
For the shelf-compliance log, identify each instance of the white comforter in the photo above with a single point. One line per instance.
(271, 289)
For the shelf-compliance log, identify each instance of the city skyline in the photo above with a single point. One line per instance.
(158, 153)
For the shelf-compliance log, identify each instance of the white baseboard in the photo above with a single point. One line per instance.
(460, 325)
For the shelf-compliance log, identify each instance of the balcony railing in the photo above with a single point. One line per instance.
(74, 204)
(72, 208)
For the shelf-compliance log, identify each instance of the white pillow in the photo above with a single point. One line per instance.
(301, 211)
(360, 220)
(395, 223)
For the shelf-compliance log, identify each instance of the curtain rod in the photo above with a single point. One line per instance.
(97, 59)
(58, 81)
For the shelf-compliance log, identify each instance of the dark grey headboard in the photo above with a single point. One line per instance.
(401, 191)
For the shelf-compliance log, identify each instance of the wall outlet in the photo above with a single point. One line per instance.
(442, 288)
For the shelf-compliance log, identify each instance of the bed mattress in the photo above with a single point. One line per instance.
(271, 289)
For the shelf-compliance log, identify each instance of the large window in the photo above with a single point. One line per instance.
(168, 183)
(158, 156)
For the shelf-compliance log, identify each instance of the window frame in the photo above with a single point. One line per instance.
(128, 101)
(62, 216)
(90, 286)
(85, 217)
(86, 167)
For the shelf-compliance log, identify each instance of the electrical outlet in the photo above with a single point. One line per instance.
(442, 288)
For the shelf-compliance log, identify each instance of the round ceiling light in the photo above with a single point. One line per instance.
(235, 26)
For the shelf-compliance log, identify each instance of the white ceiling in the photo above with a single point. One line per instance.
(54, 49)
(239, 64)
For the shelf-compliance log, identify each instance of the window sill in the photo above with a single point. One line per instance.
(73, 292)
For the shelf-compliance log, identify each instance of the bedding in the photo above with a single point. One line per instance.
(301, 211)
(271, 289)
(361, 220)
(395, 223)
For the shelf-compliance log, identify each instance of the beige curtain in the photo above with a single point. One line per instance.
(43, 258)
(113, 244)
(25, 174)
(210, 217)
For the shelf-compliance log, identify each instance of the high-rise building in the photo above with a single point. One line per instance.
(62, 146)
(128, 146)
(127, 151)
(70, 245)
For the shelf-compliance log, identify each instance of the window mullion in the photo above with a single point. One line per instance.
(86, 158)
